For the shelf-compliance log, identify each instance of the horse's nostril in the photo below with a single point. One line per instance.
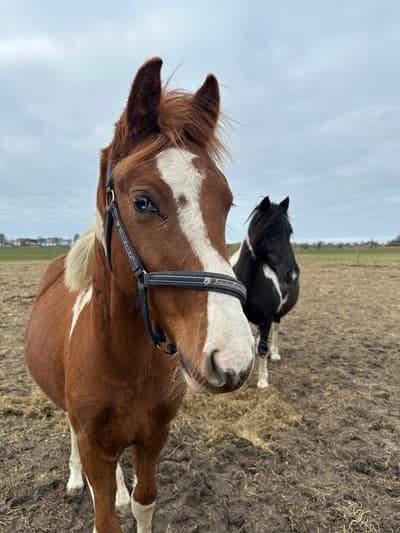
(215, 370)
(223, 377)
(232, 378)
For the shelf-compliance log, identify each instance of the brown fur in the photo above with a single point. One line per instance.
(117, 388)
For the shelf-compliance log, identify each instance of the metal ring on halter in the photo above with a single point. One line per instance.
(109, 192)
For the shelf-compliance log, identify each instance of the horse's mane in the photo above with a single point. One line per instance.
(78, 263)
(180, 123)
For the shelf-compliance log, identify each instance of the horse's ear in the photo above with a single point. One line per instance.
(265, 204)
(206, 100)
(285, 204)
(144, 98)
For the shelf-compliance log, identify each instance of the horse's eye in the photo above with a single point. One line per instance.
(142, 204)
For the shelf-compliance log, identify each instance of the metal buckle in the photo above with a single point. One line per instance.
(110, 192)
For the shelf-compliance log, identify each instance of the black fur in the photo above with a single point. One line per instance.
(269, 239)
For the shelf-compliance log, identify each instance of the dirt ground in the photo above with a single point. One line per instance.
(317, 451)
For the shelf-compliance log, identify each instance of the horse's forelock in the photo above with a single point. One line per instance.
(260, 221)
(180, 123)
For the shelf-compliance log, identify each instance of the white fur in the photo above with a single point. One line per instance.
(270, 274)
(143, 515)
(122, 498)
(99, 229)
(250, 247)
(228, 330)
(78, 263)
(82, 299)
(75, 481)
(234, 257)
(262, 382)
(274, 350)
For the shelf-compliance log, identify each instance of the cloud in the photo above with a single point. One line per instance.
(313, 90)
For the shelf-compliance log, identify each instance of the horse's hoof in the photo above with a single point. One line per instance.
(262, 384)
(275, 357)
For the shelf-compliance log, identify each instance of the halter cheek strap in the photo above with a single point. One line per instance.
(206, 281)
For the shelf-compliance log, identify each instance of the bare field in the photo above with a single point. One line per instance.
(318, 451)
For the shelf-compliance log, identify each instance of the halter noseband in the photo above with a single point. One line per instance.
(201, 281)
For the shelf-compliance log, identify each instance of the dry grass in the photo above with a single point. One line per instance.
(248, 413)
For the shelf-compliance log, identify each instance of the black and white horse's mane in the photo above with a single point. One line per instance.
(268, 219)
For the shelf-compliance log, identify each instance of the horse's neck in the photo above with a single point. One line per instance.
(246, 265)
(117, 318)
(249, 268)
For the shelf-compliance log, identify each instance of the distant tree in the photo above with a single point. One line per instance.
(3, 239)
(76, 237)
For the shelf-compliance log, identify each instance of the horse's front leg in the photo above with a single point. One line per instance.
(262, 351)
(145, 492)
(101, 475)
(274, 342)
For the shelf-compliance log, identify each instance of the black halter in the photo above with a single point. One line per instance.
(203, 281)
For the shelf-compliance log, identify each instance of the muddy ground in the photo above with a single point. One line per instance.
(317, 451)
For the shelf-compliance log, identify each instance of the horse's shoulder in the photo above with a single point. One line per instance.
(53, 273)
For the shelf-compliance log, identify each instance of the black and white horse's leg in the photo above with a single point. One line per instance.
(262, 352)
(75, 481)
(274, 349)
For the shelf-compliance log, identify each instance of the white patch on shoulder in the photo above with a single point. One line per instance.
(82, 299)
(228, 330)
(270, 274)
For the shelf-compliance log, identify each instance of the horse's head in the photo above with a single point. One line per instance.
(174, 201)
(269, 238)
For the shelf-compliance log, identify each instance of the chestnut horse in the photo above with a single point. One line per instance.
(152, 272)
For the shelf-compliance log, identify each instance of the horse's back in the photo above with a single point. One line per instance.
(47, 332)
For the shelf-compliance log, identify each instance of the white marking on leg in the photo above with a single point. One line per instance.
(75, 481)
(92, 495)
(82, 299)
(228, 330)
(91, 492)
(122, 498)
(143, 515)
(262, 382)
(274, 342)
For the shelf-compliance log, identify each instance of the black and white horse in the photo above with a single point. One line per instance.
(266, 264)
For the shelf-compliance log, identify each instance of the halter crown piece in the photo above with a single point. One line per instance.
(200, 281)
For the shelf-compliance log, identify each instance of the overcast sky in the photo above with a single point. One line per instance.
(314, 88)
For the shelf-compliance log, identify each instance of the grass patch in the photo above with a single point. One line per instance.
(347, 255)
(31, 253)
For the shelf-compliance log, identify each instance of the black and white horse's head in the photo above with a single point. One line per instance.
(269, 238)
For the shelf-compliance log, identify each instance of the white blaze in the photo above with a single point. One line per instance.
(228, 330)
